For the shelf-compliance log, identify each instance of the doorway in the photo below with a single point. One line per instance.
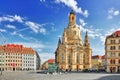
(13, 69)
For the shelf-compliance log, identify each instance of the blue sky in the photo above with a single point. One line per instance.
(40, 23)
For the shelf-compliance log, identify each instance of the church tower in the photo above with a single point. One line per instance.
(72, 19)
(70, 50)
(87, 52)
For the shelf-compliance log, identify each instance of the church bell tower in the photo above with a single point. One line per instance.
(72, 18)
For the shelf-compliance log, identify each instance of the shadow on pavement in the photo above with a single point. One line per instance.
(42, 72)
(110, 77)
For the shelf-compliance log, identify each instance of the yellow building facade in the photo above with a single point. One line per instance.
(97, 62)
(71, 53)
(112, 52)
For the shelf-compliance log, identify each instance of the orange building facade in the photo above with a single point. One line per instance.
(98, 62)
(45, 64)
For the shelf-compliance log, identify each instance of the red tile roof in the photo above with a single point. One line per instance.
(51, 61)
(97, 57)
(116, 33)
(103, 57)
(15, 48)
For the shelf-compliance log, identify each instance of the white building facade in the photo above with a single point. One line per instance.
(16, 57)
(112, 52)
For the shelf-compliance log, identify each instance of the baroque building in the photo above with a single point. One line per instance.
(16, 57)
(71, 53)
(98, 62)
(112, 52)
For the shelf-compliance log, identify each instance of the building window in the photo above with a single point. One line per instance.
(119, 61)
(119, 47)
(112, 47)
(119, 54)
(112, 55)
(112, 41)
(119, 41)
(112, 61)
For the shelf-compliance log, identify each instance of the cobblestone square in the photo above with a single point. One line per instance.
(31, 75)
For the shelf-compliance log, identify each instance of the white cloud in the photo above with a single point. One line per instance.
(110, 16)
(16, 32)
(3, 30)
(93, 33)
(73, 4)
(108, 32)
(43, 30)
(13, 33)
(4, 18)
(10, 26)
(36, 27)
(116, 13)
(82, 22)
(112, 12)
(18, 18)
(20, 35)
(33, 26)
(42, 0)
(11, 18)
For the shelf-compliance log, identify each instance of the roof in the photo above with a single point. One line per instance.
(72, 12)
(51, 61)
(103, 57)
(15, 48)
(115, 34)
(97, 57)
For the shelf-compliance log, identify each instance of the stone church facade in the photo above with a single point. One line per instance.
(71, 53)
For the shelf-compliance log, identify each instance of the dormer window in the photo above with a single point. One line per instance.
(114, 35)
(119, 34)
